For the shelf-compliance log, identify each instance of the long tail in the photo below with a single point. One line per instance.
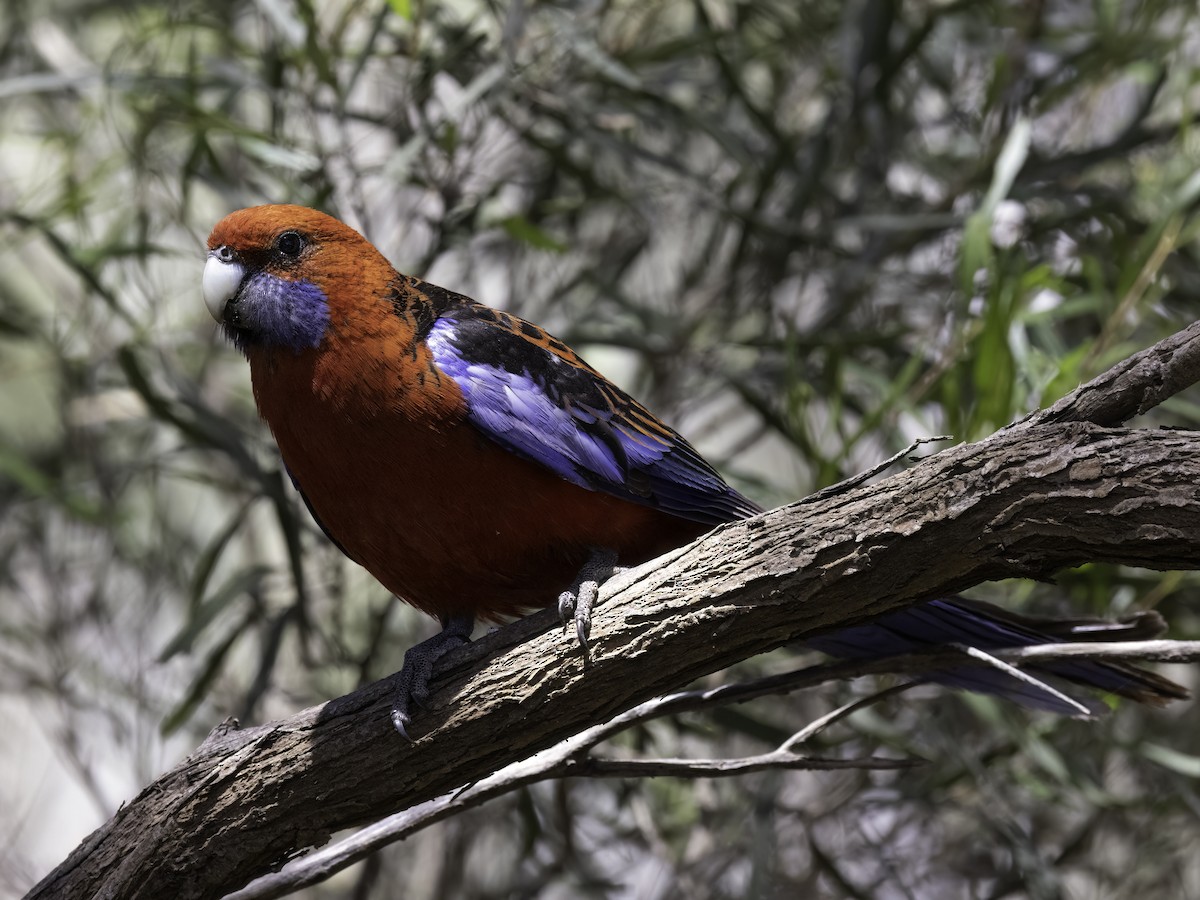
(956, 620)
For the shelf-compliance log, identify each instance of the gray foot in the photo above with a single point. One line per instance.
(575, 603)
(412, 681)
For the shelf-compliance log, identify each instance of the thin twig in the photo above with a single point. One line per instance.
(815, 727)
(854, 481)
(1161, 650)
(714, 768)
(569, 757)
(1014, 672)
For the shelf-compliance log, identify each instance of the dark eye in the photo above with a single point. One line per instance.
(290, 243)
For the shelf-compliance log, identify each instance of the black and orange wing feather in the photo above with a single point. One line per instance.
(537, 398)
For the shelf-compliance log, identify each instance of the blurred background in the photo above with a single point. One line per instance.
(802, 231)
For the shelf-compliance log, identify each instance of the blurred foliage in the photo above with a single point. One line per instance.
(804, 232)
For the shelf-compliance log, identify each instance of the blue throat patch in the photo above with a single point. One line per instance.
(274, 312)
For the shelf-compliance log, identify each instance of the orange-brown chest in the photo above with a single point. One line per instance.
(363, 435)
(441, 515)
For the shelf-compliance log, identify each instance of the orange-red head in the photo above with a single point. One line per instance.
(276, 276)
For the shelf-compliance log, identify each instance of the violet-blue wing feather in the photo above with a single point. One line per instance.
(539, 406)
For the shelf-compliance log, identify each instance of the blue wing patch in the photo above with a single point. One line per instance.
(535, 397)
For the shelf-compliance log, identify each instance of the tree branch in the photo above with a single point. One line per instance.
(570, 757)
(1051, 491)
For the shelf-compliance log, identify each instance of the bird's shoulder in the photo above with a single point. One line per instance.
(420, 304)
(488, 336)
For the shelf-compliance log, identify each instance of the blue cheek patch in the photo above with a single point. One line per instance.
(275, 312)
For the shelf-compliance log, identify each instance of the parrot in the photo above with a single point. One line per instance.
(479, 468)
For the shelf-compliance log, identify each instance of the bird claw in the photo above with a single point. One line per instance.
(566, 608)
(583, 627)
(575, 603)
(412, 681)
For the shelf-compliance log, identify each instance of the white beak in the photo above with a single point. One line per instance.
(219, 284)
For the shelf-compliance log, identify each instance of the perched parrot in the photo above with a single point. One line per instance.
(479, 468)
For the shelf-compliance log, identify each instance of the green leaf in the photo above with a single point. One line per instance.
(1183, 763)
(976, 250)
(238, 585)
(977, 239)
(37, 484)
(994, 368)
(1012, 157)
(208, 558)
(1048, 759)
(199, 688)
(521, 229)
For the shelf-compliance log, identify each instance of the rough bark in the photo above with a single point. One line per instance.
(1056, 490)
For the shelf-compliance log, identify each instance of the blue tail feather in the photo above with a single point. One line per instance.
(955, 620)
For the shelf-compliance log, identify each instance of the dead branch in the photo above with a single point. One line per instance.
(1055, 490)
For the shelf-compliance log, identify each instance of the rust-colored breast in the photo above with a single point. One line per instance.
(451, 522)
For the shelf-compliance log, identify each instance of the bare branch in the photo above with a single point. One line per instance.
(812, 729)
(1131, 387)
(1149, 651)
(862, 477)
(570, 758)
(715, 768)
(989, 659)
(1052, 491)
